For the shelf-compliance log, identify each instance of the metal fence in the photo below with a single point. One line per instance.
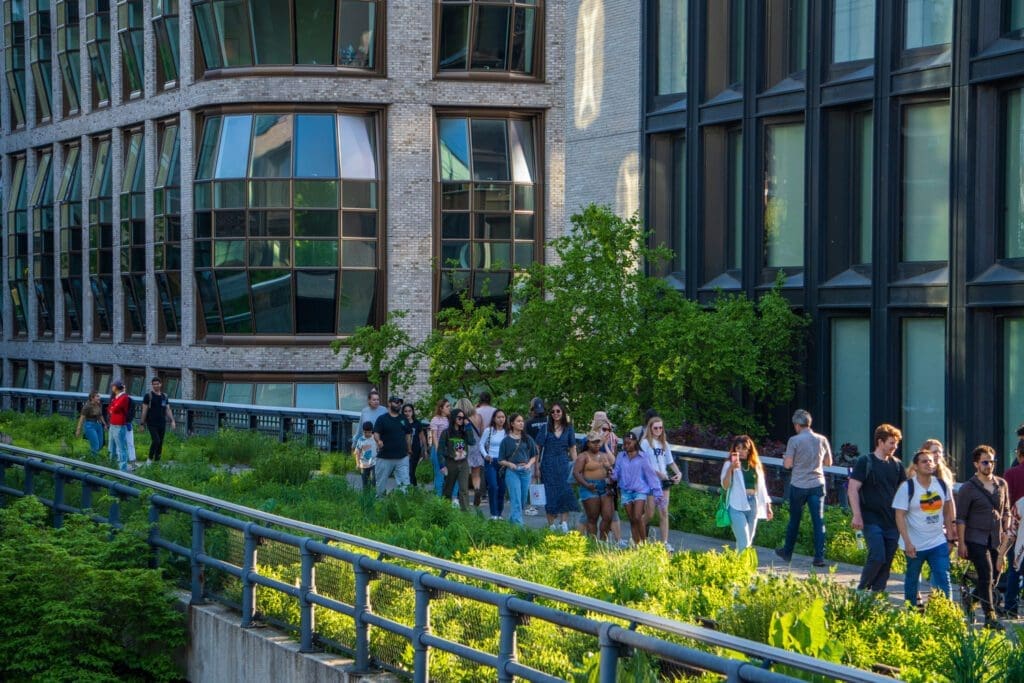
(387, 606)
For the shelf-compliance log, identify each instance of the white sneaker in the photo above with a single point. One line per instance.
(554, 527)
(531, 511)
(623, 543)
(455, 503)
(669, 547)
(563, 527)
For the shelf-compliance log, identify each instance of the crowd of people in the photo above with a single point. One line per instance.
(499, 458)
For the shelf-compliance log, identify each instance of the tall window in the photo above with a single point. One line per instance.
(489, 194)
(341, 33)
(40, 55)
(101, 241)
(14, 58)
(41, 202)
(129, 30)
(849, 188)
(286, 226)
(133, 238)
(168, 45)
(784, 188)
(44, 376)
(490, 35)
(1014, 16)
(722, 233)
(1013, 382)
(667, 201)
(97, 38)
(72, 377)
(927, 23)
(724, 58)
(851, 382)
(672, 42)
(69, 54)
(785, 40)
(926, 141)
(167, 233)
(924, 382)
(69, 198)
(1013, 177)
(853, 30)
(17, 247)
(19, 370)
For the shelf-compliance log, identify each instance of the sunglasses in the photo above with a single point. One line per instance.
(460, 417)
(657, 428)
(983, 463)
(605, 429)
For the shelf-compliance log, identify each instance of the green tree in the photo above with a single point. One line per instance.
(387, 351)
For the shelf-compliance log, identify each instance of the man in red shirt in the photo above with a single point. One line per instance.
(118, 410)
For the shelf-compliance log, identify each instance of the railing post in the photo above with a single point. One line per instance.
(114, 514)
(3, 481)
(248, 587)
(154, 534)
(86, 495)
(421, 627)
(362, 606)
(198, 548)
(58, 500)
(30, 484)
(307, 585)
(609, 654)
(509, 623)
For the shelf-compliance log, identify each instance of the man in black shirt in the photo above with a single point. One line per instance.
(536, 421)
(156, 413)
(392, 454)
(873, 483)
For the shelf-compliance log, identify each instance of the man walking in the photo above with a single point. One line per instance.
(392, 454)
(807, 454)
(873, 483)
(119, 409)
(370, 412)
(156, 413)
(924, 517)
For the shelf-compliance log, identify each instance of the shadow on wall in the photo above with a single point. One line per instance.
(627, 190)
(589, 76)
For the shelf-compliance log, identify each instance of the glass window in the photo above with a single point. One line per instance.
(97, 37)
(238, 392)
(69, 204)
(314, 31)
(784, 195)
(1013, 383)
(234, 137)
(101, 241)
(167, 232)
(133, 238)
(785, 46)
(924, 382)
(853, 30)
(314, 159)
(851, 382)
(14, 57)
(68, 53)
(17, 246)
(672, 42)
(40, 49)
(358, 147)
(43, 247)
(723, 59)
(271, 147)
(356, 32)
(1015, 16)
(130, 28)
(168, 47)
(925, 182)
(480, 35)
(270, 47)
(927, 23)
(323, 396)
(864, 157)
(667, 187)
(278, 394)
(1013, 177)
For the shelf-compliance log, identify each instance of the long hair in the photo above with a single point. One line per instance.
(551, 418)
(453, 422)
(413, 416)
(512, 418)
(752, 457)
(649, 433)
(466, 406)
(439, 406)
(499, 410)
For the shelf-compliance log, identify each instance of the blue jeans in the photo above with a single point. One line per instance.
(118, 447)
(495, 488)
(383, 469)
(814, 498)
(744, 524)
(882, 543)
(93, 432)
(518, 483)
(1012, 583)
(938, 561)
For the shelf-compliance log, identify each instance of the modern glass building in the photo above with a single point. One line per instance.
(869, 154)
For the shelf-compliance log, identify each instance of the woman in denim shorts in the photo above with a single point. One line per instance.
(636, 480)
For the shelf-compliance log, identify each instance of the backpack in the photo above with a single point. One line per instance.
(910, 489)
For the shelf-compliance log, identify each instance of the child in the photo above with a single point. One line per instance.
(365, 451)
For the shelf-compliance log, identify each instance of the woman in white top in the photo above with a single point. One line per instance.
(743, 478)
(654, 447)
(490, 447)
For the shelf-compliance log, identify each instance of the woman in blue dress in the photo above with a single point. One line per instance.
(557, 444)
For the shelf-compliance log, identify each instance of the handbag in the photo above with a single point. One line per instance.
(722, 516)
(537, 496)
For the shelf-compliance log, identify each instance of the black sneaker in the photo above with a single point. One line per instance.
(818, 562)
(784, 556)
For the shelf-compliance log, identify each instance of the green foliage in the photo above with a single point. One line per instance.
(288, 464)
(466, 352)
(979, 657)
(387, 351)
(805, 632)
(87, 608)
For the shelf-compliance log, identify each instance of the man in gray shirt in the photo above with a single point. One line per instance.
(807, 454)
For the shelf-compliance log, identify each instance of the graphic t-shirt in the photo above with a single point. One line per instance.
(366, 447)
(924, 513)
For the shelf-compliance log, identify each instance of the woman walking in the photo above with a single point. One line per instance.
(517, 455)
(415, 439)
(476, 460)
(743, 478)
(456, 443)
(91, 422)
(557, 443)
(636, 481)
(610, 445)
(655, 448)
(494, 475)
(438, 423)
(592, 470)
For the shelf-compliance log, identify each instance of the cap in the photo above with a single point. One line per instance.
(118, 383)
(394, 399)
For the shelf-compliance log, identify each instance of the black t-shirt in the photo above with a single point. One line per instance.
(878, 488)
(157, 415)
(534, 426)
(413, 429)
(391, 430)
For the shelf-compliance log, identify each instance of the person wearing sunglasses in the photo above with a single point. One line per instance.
(456, 441)
(982, 522)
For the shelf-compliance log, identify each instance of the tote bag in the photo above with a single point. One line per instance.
(722, 517)
(537, 496)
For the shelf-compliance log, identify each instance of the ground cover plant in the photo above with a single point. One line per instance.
(716, 587)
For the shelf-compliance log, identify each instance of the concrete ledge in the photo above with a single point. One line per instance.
(221, 651)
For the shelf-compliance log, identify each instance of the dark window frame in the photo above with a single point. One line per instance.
(779, 58)
(132, 254)
(842, 210)
(43, 246)
(97, 35)
(666, 199)
(721, 75)
(100, 228)
(167, 233)
(16, 229)
(664, 101)
(133, 54)
(1002, 147)
(537, 74)
(766, 273)
(833, 70)
(166, 20)
(69, 205)
(911, 58)
(68, 51)
(40, 59)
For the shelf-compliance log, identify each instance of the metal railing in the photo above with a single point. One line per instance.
(517, 601)
(333, 430)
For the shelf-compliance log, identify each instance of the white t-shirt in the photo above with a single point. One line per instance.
(924, 513)
(657, 457)
(491, 440)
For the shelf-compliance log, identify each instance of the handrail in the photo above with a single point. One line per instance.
(14, 455)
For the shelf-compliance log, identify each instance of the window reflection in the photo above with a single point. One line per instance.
(42, 243)
(17, 246)
(285, 258)
(477, 35)
(68, 53)
(168, 48)
(69, 205)
(101, 241)
(14, 58)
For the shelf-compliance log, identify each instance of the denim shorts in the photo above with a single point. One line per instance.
(600, 484)
(631, 496)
